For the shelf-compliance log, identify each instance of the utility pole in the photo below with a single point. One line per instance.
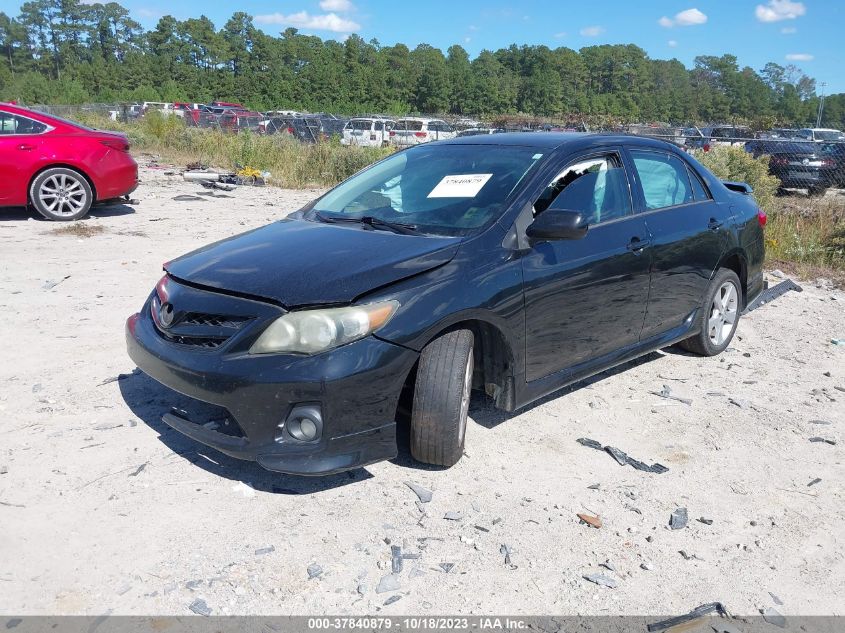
(821, 106)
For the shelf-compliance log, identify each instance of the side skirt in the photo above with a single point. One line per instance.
(531, 391)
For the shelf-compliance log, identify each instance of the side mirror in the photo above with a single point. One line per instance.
(558, 224)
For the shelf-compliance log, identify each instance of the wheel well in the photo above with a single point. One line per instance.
(494, 364)
(63, 166)
(737, 264)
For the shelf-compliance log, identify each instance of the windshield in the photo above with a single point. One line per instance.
(828, 135)
(441, 190)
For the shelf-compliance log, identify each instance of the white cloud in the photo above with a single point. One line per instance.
(788, 30)
(592, 31)
(689, 17)
(672, 43)
(467, 39)
(560, 35)
(147, 13)
(336, 5)
(800, 57)
(473, 27)
(777, 10)
(304, 20)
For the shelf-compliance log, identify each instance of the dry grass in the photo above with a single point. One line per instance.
(291, 164)
(809, 234)
(79, 229)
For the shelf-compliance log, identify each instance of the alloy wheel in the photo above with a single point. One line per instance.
(723, 313)
(63, 195)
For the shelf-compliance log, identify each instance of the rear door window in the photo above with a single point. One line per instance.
(663, 178)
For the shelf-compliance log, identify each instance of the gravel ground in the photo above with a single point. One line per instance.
(105, 510)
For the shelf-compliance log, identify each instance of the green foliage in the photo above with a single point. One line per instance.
(734, 163)
(70, 52)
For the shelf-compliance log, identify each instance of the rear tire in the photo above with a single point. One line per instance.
(61, 194)
(441, 399)
(718, 316)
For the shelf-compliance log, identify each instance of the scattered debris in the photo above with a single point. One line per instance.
(423, 494)
(261, 551)
(388, 583)
(698, 612)
(199, 607)
(590, 520)
(772, 616)
(506, 551)
(396, 558)
(705, 521)
(392, 599)
(678, 519)
(480, 528)
(776, 600)
(666, 392)
(778, 273)
(594, 487)
(446, 567)
(49, 285)
(823, 439)
(647, 566)
(115, 379)
(622, 458)
(688, 556)
(107, 427)
(138, 470)
(838, 341)
(607, 565)
(244, 488)
(185, 197)
(4, 469)
(601, 579)
(815, 481)
(770, 294)
(314, 571)
(453, 516)
(822, 422)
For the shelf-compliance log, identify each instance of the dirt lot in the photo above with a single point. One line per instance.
(103, 509)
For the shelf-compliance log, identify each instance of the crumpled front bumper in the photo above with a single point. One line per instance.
(356, 386)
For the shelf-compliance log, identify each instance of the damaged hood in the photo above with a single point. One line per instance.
(299, 263)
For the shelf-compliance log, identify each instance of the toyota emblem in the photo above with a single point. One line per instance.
(165, 315)
(806, 161)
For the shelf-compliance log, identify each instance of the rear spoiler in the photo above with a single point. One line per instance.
(739, 187)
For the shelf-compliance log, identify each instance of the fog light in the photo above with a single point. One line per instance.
(304, 423)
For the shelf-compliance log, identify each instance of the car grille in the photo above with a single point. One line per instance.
(199, 330)
(213, 320)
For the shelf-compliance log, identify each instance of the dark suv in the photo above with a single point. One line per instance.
(510, 263)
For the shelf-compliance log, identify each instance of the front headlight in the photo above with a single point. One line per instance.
(314, 331)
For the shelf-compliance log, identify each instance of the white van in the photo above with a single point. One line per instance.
(367, 132)
(415, 130)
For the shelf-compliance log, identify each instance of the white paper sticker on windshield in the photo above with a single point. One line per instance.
(460, 186)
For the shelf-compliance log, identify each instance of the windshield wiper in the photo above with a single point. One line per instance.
(372, 222)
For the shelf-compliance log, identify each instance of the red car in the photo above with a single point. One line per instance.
(60, 167)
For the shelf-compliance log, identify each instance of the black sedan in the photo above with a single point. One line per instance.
(815, 167)
(510, 263)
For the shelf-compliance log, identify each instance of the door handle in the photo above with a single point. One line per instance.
(636, 245)
(714, 224)
(25, 147)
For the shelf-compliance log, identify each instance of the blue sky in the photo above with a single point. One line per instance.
(807, 33)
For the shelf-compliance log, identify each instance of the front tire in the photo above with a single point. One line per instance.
(61, 194)
(719, 315)
(441, 399)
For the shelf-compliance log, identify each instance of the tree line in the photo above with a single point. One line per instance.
(64, 51)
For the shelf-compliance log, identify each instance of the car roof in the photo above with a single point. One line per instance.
(554, 140)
